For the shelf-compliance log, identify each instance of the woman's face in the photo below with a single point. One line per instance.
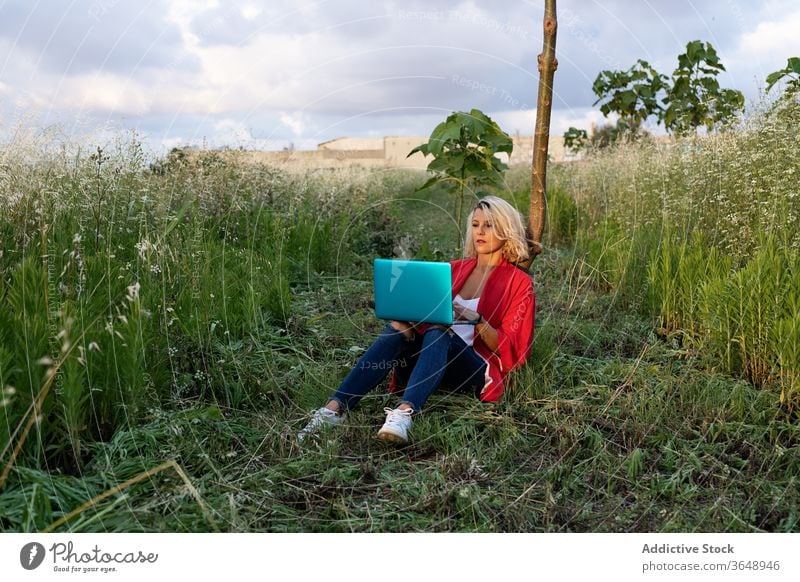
(483, 234)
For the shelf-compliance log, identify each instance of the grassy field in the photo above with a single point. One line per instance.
(164, 333)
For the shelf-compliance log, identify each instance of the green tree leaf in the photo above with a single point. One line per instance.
(695, 98)
(631, 94)
(790, 73)
(464, 148)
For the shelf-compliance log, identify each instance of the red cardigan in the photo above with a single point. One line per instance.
(508, 303)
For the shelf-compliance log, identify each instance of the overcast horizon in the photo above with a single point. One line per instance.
(264, 75)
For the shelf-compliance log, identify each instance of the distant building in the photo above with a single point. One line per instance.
(387, 152)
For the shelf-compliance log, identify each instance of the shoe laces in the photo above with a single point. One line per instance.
(398, 416)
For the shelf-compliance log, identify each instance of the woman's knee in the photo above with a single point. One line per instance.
(435, 331)
(390, 329)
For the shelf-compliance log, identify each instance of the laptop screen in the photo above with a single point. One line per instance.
(418, 291)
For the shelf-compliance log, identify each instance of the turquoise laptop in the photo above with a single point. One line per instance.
(418, 291)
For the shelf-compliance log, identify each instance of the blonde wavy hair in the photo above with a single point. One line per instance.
(507, 224)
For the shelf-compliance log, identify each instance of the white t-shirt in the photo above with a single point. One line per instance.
(466, 331)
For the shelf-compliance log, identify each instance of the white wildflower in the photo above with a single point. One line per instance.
(133, 291)
(144, 247)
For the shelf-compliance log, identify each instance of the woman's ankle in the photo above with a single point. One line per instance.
(334, 406)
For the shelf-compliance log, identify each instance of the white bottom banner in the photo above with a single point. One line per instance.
(397, 557)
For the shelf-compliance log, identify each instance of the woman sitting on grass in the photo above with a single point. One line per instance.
(489, 292)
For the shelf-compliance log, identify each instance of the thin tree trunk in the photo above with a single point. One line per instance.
(547, 68)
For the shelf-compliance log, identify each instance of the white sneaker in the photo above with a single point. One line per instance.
(321, 418)
(395, 429)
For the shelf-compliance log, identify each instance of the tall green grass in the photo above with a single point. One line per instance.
(746, 318)
(706, 227)
(190, 315)
(134, 282)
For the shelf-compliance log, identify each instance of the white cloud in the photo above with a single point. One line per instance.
(294, 121)
(766, 47)
(523, 121)
(232, 132)
(562, 120)
(260, 72)
(167, 143)
(251, 11)
(773, 39)
(103, 92)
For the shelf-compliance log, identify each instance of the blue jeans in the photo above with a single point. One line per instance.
(438, 355)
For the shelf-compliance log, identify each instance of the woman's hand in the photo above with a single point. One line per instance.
(483, 329)
(461, 313)
(406, 327)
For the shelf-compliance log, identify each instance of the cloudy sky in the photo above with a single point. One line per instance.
(264, 74)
